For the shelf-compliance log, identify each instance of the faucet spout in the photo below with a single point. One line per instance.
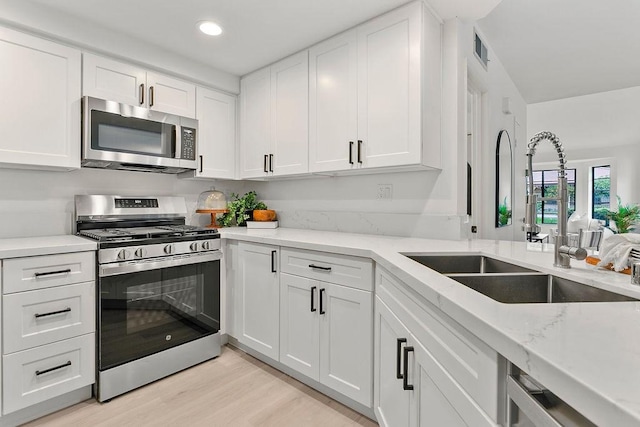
(563, 252)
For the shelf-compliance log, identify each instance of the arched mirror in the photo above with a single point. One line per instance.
(504, 180)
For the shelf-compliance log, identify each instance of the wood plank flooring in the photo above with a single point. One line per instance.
(234, 389)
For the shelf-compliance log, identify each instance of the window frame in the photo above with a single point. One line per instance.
(540, 217)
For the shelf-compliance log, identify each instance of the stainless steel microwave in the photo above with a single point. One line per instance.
(121, 136)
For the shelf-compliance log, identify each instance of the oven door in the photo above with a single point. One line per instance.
(149, 306)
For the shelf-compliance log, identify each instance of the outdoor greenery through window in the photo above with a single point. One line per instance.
(601, 194)
(545, 183)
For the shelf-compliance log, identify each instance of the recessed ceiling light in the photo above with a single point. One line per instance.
(210, 28)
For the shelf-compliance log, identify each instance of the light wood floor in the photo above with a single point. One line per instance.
(234, 389)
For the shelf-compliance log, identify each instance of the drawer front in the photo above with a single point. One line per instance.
(41, 373)
(41, 317)
(469, 361)
(38, 272)
(344, 270)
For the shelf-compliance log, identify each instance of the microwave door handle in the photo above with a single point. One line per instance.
(175, 141)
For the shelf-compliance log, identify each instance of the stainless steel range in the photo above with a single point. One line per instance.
(158, 307)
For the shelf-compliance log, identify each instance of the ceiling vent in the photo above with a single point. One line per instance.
(480, 49)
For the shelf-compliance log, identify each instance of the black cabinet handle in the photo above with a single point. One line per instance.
(360, 151)
(270, 162)
(405, 380)
(350, 152)
(321, 293)
(398, 351)
(50, 273)
(38, 315)
(319, 267)
(313, 304)
(273, 261)
(265, 163)
(141, 94)
(55, 368)
(151, 97)
(201, 161)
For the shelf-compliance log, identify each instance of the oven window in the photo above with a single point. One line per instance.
(113, 132)
(145, 312)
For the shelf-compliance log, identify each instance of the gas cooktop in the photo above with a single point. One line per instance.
(140, 233)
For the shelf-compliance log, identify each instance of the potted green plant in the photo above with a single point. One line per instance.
(504, 213)
(240, 208)
(625, 218)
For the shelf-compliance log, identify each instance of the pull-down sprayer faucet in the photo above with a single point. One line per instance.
(563, 252)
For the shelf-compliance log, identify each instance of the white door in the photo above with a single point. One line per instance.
(114, 81)
(299, 334)
(289, 115)
(171, 95)
(392, 404)
(255, 124)
(216, 114)
(345, 340)
(40, 108)
(333, 103)
(260, 298)
(389, 89)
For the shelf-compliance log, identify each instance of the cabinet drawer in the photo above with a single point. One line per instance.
(44, 316)
(28, 273)
(469, 361)
(345, 270)
(41, 373)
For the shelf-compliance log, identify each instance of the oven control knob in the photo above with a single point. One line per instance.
(194, 247)
(140, 252)
(168, 249)
(123, 254)
(206, 246)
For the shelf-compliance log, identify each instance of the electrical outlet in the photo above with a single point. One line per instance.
(385, 191)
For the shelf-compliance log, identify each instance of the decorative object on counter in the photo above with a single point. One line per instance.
(504, 178)
(212, 202)
(625, 218)
(618, 249)
(262, 224)
(240, 208)
(264, 215)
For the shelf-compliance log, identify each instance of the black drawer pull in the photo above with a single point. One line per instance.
(321, 293)
(398, 363)
(319, 267)
(405, 380)
(55, 368)
(273, 262)
(50, 273)
(38, 315)
(313, 303)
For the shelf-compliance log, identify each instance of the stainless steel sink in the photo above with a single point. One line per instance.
(450, 264)
(535, 288)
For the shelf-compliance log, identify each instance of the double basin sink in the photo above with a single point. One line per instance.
(512, 284)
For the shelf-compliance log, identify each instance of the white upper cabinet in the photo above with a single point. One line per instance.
(375, 94)
(216, 114)
(274, 119)
(116, 81)
(333, 103)
(40, 108)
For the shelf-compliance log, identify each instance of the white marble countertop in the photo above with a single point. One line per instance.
(32, 246)
(586, 353)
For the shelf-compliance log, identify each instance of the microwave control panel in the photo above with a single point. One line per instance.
(188, 150)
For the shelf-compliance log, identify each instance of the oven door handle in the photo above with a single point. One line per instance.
(117, 268)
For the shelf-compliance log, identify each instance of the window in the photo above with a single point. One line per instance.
(601, 193)
(545, 183)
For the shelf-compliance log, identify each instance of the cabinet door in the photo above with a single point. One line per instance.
(255, 123)
(345, 341)
(40, 108)
(260, 298)
(289, 115)
(114, 81)
(299, 327)
(389, 107)
(216, 114)
(392, 404)
(333, 103)
(170, 95)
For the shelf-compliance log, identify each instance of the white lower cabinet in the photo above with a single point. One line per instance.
(325, 334)
(414, 387)
(259, 298)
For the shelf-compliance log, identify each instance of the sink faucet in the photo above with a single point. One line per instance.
(563, 252)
